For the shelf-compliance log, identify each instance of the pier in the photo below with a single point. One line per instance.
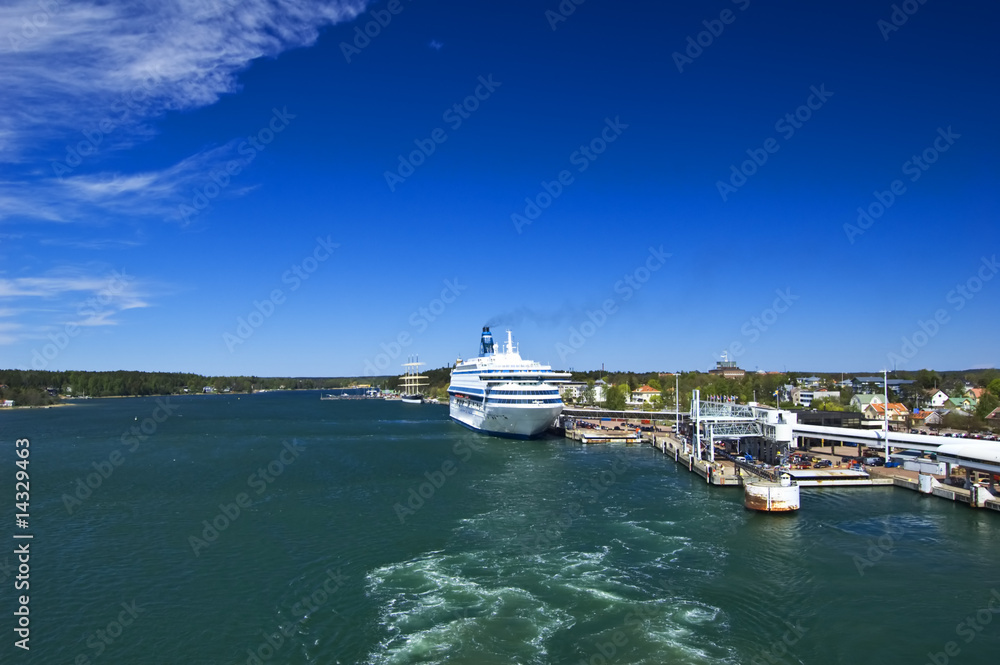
(717, 441)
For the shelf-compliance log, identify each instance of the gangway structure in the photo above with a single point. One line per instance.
(720, 419)
(771, 428)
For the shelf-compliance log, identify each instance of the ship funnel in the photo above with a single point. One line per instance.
(486, 343)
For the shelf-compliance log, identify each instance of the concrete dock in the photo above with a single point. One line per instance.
(726, 473)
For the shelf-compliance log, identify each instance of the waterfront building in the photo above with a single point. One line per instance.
(861, 402)
(804, 397)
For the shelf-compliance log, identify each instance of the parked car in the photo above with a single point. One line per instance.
(822, 464)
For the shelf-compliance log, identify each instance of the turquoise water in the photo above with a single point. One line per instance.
(384, 533)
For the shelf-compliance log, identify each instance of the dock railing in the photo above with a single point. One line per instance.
(753, 470)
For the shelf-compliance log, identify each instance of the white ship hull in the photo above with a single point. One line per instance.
(502, 394)
(519, 422)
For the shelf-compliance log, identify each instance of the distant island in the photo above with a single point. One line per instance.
(650, 391)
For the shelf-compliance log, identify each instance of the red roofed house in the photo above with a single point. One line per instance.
(898, 414)
(920, 419)
(644, 394)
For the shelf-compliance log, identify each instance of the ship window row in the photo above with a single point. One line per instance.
(524, 392)
(524, 401)
(471, 398)
(514, 371)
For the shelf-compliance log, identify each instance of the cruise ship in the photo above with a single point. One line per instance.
(502, 394)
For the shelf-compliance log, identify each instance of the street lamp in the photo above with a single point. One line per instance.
(885, 384)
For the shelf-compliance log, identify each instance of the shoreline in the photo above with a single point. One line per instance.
(77, 401)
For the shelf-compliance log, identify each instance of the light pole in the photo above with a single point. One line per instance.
(885, 385)
(677, 404)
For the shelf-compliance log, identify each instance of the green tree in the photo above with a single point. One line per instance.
(845, 395)
(986, 404)
(589, 392)
(615, 400)
(927, 378)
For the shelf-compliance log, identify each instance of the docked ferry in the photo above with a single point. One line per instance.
(502, 394)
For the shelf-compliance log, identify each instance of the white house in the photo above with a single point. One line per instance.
(576, 390)
(806, 397)
(572, 389)
(938, 399)
(644, 395)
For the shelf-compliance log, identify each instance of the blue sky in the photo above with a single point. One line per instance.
(259, 187)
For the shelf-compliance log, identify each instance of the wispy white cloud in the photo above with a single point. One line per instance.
(156, 194)
(66, 66)
(82, 297)
(91, 243)
(94, 76)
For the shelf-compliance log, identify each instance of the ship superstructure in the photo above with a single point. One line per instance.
(500, 393)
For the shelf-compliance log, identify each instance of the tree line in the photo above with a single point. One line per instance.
(38, 388)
